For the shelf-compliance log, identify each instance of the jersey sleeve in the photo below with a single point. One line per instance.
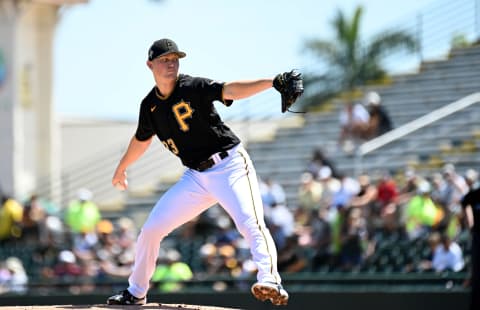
(212, 90)
(144, 129)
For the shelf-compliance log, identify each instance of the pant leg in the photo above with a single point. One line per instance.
(181, 203)
(234, 184)
(475, 276)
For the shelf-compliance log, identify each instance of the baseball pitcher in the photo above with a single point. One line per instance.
(179, 110)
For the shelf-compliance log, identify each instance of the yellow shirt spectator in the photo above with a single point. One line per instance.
(11, 212)
(422, 211)
(82, 215)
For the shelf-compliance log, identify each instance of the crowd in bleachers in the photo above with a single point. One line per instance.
(382, 222)
(46, 243)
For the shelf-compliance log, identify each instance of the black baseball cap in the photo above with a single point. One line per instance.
(163, 47)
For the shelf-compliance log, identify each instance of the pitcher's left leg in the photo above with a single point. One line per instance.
(238, 192)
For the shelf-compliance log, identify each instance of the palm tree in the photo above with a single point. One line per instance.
(351, 63)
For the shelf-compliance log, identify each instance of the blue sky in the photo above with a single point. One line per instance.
(100, 47)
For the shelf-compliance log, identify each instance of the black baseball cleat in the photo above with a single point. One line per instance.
(270, 291)
(125, 298)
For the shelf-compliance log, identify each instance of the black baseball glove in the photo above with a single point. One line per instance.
(290, 86)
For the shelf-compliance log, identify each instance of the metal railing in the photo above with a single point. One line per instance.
(411, 127)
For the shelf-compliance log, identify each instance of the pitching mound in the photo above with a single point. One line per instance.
(106, 307)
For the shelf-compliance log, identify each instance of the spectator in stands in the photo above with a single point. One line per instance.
(67, 270)
(84, 244)
(319, 161)
(440, 191)
(339, 211)
(229, 262)
(446, 254)
(354, 119)
(226, 232)
(321, 235)
(471, 209)
(457, 187)
(379, 121)
(337, 218)
(66, 267)
(46, 252)
(442, 194)
(13, 278)
(353, 239)
(422, 214)
(281, 223)
(408, 187)
(112, 261)
(365, 200)
(126, 234)
(11, 214)
(309, 192)
(425, 264)
(219, 258)
(387, 205)
(211, 262)
(82, 214)
(272, 193)
(471, 177)
(170, 271)
(330, 186)
(291, 258)
(224, 250)
(349, 188)
(33, 220)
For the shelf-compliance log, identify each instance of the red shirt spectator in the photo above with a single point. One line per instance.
(387, 190)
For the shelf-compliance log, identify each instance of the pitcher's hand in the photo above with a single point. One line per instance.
(119, 180)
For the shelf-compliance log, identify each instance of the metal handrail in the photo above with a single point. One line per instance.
(412, 126)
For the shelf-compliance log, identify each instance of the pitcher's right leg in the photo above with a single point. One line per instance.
(182, 202)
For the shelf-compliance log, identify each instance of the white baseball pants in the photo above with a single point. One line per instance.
(232, 182)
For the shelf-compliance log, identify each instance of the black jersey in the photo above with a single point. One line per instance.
(472, 198)
(187, 122)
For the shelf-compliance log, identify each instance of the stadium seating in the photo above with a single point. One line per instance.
(406, 98)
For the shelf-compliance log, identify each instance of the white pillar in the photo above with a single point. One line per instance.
(29, 155)
(47, 163)
(29, 135)
(9, 166)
